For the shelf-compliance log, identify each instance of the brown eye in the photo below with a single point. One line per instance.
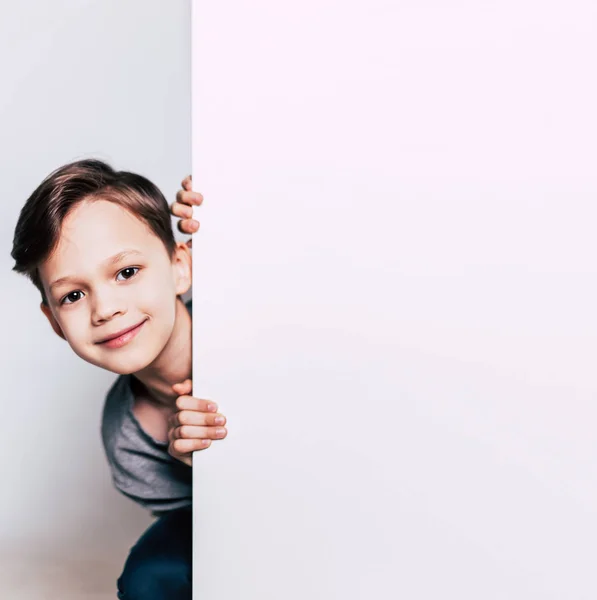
(72, 297)
(129, 272)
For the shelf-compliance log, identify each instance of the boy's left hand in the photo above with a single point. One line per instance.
(186, 198)
(194, 425)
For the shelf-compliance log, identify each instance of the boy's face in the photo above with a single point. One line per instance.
(102, 297)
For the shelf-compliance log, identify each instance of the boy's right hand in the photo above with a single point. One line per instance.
(185, 200)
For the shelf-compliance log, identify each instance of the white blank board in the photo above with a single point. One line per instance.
(394, 299)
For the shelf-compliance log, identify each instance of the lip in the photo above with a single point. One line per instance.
(121, 337)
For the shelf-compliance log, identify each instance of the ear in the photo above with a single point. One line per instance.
(46, 310)
(182, 266)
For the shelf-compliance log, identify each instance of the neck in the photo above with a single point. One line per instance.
(173, 365)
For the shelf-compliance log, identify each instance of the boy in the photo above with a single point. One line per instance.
(98, 245)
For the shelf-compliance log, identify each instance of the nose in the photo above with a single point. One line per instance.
(105, 307)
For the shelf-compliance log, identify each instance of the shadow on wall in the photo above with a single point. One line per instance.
(61, 500)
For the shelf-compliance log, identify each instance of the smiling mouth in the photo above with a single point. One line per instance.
(122, 338)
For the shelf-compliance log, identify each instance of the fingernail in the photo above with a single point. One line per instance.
(220, 432)
(211, 407)
(219, 420)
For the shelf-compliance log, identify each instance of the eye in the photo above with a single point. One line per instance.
(127, 272)
(64, 300)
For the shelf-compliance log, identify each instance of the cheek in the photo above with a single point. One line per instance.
(158, 290)
(158, 298)
(74, 325)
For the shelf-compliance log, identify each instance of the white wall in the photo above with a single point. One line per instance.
(395, 291)
(110, 80)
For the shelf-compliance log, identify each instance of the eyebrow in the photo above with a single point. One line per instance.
(112, 260)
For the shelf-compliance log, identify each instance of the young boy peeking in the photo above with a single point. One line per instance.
(99, 246)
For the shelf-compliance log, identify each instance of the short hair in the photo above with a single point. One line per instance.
(37, 232)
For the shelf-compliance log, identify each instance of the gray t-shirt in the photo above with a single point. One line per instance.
(141, 467)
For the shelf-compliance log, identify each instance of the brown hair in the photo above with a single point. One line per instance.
(38, 229)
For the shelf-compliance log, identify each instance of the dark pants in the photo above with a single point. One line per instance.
(159, 565)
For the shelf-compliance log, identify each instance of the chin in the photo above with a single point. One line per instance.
(126, 366)
(123, 364)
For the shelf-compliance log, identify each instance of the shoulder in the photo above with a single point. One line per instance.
(119, 391)
(115, 406)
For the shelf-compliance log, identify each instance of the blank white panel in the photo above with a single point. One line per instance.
(394, 299)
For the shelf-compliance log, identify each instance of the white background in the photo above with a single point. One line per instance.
(395, 299)
(80, 78)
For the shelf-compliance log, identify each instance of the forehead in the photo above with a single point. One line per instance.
(93, 231)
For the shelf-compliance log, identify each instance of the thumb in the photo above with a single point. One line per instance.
(183, 387)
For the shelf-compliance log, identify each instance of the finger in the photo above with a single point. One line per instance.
(189, 198)
(187, 459)
(187, 182)
(198, 432)
(187, 402)
(183, 387)
(188, 226)
(193, 417)
(184, 211)
(181, 447)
